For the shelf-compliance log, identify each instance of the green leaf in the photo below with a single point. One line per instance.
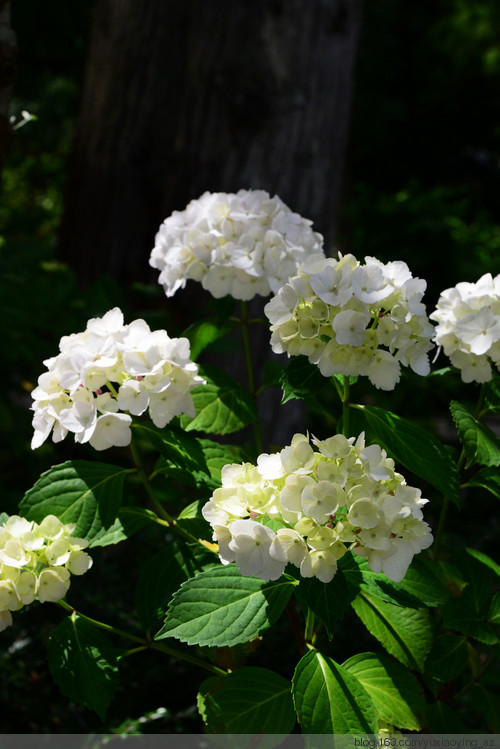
(300, 379)
(422, 583)
(481, 445)
(83, 664)
(442, 719)
(328, 601)
(359, 576)
(447, 657)
(222, 405)
(482, 558)
(218, 455)
(81, 492)
(414, 448)
(222, 607)
(450, 577)
(394, 690)
(160, 577)
(178, 448)
(191, 519)
(405, 633)
(494, 610)
(248, 701)
(202, 334)
(4, 516)
(467, 616)
(489, 479)
(477, 571)
(223, 308)
(129, 521)
(492, 398)
(487, 704)
(273, 371)
(163, 574)
(328, 699)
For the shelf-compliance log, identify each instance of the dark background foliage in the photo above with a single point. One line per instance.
(421, 184)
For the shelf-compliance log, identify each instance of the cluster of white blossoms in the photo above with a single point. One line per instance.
(308, 507)
(468, 317)
(36, 561)
(353, 319)
(240, 244)
(109, 369)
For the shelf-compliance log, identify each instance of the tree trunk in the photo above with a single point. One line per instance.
(183, 96)
(8, 72)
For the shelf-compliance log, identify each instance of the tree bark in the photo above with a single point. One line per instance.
(8, 72)
(183, 96)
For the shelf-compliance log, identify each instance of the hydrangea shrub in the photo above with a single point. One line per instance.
(295, 536)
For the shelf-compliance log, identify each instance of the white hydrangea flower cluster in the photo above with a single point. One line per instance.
(109, 369)
(354, 319)
(308, 507)
(468, 317)
(36, 561)
(240, 244)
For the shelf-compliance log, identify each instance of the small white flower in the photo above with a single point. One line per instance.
(251, 543)
(111, 430)
(53, 584)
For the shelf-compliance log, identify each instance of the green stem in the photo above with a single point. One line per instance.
(147, 486)
(144, 644)
(345, 407)
(168, 521)
(310, 622)
(251, 379)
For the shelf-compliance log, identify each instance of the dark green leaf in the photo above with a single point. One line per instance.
(129, 521)
(442, 719)
(405, 633)
(414, 448)
(300, 379)
(81, 492)
(218, 455)
(422, 583)
(462, 614)
(222, 607)
(494, 610)
(248, 701)
(487, 704)
(178, 448)
(273, 372)
(478, 556)
(447, 658)
(489, 479)
(481, 445)
(83, 664)
(162, 575)
(202, 334)
(492, 398)
(329, 700)
(328, 601)
(359, 576)
(222, 405)
(394, 690)
(191, 519)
